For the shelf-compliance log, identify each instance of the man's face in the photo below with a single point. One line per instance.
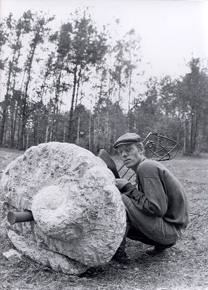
(130, 154)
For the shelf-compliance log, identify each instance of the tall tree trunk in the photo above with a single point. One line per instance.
(10, 88)
(18, 131)
(90, 136)
(5, 104)
(186, 143)
(35, 128)
(55, 107)
(25, 93)
(78, 85)
(64, 133)
(71, 113)
(14, 116)
(27, 141)
(3, 121)
(46, 133)
(193, 131)
(23, 124)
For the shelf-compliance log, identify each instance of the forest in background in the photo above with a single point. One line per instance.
(77, 84)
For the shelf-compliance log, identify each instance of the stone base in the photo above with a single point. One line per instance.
(57, 262)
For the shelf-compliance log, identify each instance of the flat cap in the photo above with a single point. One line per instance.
(127, 138)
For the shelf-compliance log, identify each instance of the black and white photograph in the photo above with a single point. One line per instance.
(103, 144)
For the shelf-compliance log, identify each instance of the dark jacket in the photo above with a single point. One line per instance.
(159, 193)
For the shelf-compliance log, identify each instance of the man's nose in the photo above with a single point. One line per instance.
(124, 154)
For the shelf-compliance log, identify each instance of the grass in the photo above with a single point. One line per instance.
(184, 266)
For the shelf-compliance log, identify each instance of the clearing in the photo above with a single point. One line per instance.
(184, 266)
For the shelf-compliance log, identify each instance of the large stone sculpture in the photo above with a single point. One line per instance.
(79, 217)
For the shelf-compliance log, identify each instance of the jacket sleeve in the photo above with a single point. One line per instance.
(153, 200)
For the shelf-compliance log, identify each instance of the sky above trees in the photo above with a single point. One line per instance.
(171, 32)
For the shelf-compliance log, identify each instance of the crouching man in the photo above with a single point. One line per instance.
(157, 207)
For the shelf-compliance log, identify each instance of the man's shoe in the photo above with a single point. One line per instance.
(121, 257)
(157, 249)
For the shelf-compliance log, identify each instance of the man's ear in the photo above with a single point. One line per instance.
(140, 147)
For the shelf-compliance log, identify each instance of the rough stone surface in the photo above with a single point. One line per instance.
(78, 210)
(54, 260)
(12, 255)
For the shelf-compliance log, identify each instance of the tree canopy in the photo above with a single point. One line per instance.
(76, 84)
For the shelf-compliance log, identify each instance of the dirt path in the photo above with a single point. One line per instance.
(184, 266)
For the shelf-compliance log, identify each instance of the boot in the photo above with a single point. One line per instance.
(157, 249)
(120, 256)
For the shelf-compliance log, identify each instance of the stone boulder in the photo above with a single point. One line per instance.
(78, 211)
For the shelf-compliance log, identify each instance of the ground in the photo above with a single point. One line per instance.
(184, 266)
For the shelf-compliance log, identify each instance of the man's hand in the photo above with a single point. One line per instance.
(120, 182)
